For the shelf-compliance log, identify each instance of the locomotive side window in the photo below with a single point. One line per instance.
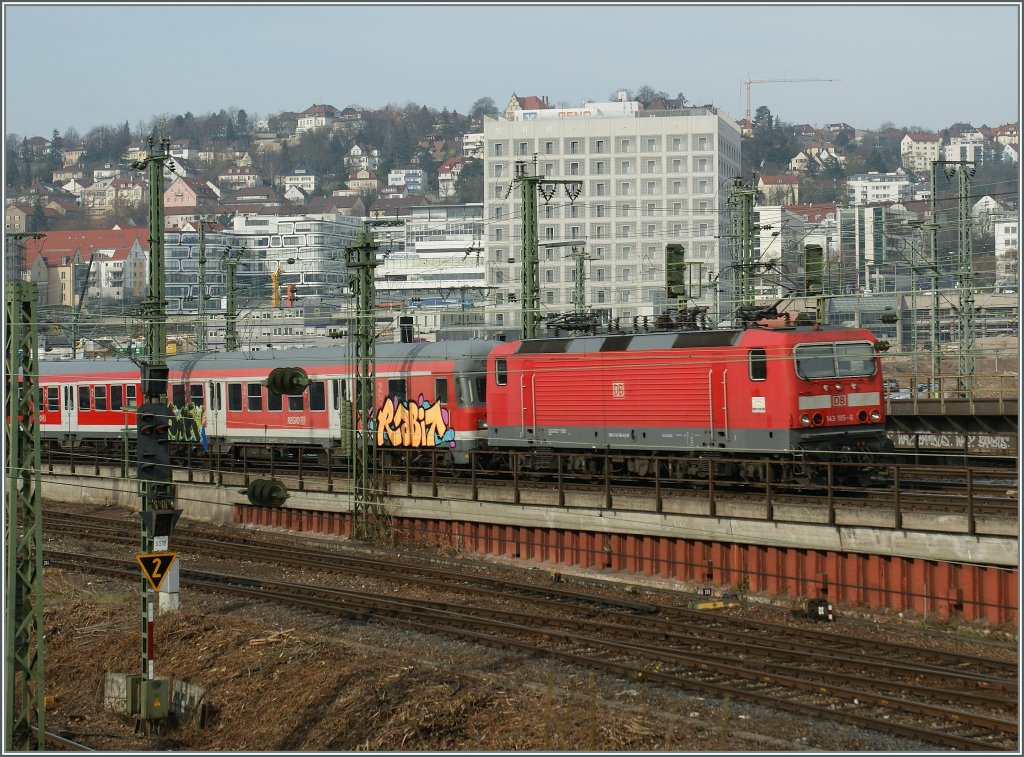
(501, 372)
(441, 390)
(234, 396)
(317, 397)
(116, 397)
(83, 398)
(396, 388)
(273, 400)
(254, 392)
(52, 398)
(758, 360)
(101, 397)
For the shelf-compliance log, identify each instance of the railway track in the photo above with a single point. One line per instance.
(952, 700)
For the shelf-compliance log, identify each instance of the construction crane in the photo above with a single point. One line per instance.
(750, 81)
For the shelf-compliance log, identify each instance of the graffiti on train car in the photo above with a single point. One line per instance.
(400, 423)
(188, 424)
(951, 440)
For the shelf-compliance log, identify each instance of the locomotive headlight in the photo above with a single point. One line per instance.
(875, 416)
(805, 420)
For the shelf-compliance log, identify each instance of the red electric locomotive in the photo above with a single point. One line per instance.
(739, 396)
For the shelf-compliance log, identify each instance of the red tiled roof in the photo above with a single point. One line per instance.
(58, 244)
(531, 102)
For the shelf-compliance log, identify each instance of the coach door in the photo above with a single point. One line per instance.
(69, 418)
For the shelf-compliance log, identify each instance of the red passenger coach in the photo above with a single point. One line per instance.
(753, 393)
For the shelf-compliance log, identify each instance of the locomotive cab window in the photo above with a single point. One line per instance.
(855, 359)
(850, 359)
(758, 360)
(234, 397)
(83, 398)
(501, 372)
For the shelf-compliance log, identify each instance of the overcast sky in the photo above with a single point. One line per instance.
(920, 65)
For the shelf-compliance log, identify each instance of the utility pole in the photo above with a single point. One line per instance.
(231, 257)
(965, 368)
(965, 276)
(741, 216)
(530, 184)
(201, 334)
(23, 641)
(362, 258)
(149, 702)
(933, 228)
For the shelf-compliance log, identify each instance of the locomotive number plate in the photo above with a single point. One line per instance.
(618, 390)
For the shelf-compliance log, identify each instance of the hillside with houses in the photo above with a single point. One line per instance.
(327, 162)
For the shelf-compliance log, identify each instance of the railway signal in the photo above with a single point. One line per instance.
(287, 380)
(154, 454)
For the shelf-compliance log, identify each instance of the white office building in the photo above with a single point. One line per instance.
(646, 179)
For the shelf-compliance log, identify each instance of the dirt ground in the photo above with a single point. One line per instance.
(278, 679)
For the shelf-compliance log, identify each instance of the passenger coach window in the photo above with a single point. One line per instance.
(83, 398)
(758, 365)
(52, 398)
(116, 397)
(195, 394)
(234, 396)
(255, 395)
(101, 398)
(335, 388)
(273, 400)
(296, 402)
(178, 395)
(396, 388)
(317, 398)
(441, 390)
(129, 394)
(501, 372)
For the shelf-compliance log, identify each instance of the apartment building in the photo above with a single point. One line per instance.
(645, 179)
(309, 252)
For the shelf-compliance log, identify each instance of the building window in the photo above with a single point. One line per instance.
(549, 148)
(524, 148)
(499, 148)
(574, 147)
(574, 169)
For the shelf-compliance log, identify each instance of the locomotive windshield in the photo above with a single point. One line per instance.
(834, 360)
